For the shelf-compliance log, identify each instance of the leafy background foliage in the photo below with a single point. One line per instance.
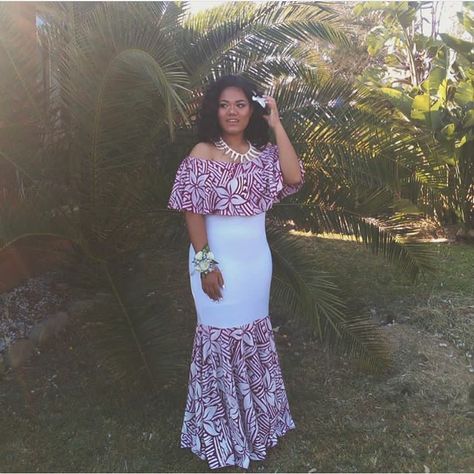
(97, 113)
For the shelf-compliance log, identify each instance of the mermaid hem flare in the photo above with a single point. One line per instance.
(236, 406)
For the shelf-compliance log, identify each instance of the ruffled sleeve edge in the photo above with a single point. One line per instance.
(282, 189)
(181, 198)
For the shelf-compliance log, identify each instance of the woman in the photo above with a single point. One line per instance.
(236, 405)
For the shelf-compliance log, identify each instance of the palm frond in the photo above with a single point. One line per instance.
(133, 335)
(414, 258)
(231, 38)
(312, 299)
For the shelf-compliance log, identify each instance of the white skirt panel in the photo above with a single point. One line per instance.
(239, 244)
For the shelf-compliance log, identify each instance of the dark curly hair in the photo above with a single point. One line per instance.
(208, 128)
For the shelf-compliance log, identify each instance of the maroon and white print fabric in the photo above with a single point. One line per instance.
(236, 405)
(231, 189)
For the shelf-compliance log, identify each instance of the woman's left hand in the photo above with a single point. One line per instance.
(273, 118)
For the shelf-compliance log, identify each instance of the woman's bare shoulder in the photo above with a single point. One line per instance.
(203, 150)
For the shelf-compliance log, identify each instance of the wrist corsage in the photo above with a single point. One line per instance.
(204, 262)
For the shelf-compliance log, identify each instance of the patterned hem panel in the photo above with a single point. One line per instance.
(237, 405)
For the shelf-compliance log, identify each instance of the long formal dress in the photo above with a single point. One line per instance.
(236, 405)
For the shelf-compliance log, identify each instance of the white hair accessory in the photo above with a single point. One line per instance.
(259, 99)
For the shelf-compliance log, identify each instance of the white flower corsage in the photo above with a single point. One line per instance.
(204, 262)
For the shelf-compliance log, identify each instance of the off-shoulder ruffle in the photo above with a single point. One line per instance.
(238, 189)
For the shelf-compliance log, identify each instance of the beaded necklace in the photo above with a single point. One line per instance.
(235, 155)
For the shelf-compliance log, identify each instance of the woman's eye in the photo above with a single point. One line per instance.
(239, 105)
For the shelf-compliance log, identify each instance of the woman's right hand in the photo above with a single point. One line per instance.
(212, 283)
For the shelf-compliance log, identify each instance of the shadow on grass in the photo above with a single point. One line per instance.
(59, 413)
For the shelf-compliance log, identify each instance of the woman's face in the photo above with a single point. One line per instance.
(233, 111)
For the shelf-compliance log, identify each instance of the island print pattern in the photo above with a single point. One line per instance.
(231, 189)
(237, 405)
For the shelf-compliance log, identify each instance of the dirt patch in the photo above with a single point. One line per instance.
(427, 368)
(451, 317)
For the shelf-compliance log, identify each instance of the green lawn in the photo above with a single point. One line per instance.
(59, 414)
